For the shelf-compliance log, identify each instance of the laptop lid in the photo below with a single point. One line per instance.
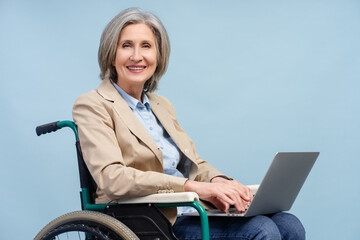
(282, 182)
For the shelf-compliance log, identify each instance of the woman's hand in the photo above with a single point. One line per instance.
(222, 193)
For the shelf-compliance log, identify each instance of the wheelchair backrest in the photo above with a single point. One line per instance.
(87, 183)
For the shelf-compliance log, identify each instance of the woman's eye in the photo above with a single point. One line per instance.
(126, 45)
(146, 46)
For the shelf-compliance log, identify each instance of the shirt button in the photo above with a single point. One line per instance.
(151, 128)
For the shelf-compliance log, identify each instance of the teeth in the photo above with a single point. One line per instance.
(136, 68)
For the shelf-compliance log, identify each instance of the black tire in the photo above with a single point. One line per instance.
(76, 231)
(100, 226)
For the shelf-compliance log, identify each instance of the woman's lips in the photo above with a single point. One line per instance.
(136, 69)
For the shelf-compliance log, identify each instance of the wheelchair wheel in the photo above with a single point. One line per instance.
(86, 225)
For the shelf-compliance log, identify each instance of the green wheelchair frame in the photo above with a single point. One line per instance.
(87, 188)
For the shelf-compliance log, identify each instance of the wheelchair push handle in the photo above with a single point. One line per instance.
(54, 126)
(47, 128)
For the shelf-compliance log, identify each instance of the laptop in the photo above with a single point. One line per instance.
(279, 188)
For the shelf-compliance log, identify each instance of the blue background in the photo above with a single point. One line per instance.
(247, 78)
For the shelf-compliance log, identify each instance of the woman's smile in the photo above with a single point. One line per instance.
(136, 68)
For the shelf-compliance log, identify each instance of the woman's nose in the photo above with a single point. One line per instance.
(136, 55)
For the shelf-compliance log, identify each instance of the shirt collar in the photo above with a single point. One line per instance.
(131, 101)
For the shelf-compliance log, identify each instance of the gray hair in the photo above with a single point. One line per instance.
(109, 43)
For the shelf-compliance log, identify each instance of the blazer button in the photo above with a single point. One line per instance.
(186, 150)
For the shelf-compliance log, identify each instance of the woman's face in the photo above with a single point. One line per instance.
(135, 60)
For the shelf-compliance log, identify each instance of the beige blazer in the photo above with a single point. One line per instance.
(122, 157)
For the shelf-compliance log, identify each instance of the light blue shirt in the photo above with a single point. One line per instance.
(171, 153)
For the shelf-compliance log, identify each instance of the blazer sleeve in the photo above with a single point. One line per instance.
(103, 156)
(205, 171)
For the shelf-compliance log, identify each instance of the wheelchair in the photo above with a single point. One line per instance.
(138, 218)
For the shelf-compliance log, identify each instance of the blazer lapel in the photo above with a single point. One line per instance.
(108, 91)
(164, 117)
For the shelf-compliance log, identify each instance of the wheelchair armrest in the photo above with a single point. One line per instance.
(163, 198)
(253, 188)
(172, 197)
(191, 198)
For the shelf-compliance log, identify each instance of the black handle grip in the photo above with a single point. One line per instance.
(47, 128)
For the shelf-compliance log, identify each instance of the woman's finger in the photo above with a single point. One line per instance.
(242, 190)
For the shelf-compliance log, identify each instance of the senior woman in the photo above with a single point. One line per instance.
(133, 144)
